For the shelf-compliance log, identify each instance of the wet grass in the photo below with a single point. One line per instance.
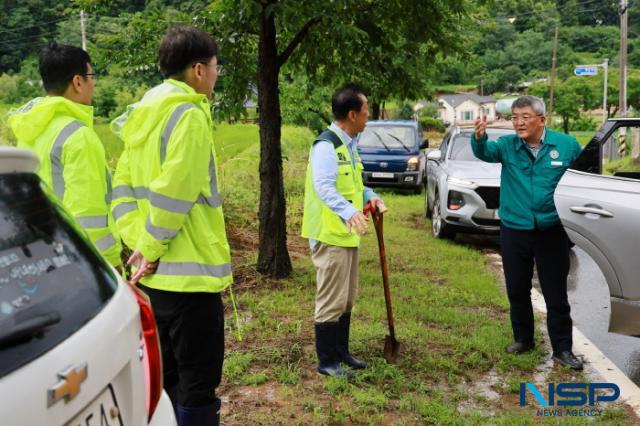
(451, 316)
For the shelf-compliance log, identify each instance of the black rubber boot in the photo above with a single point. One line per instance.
(209, 415)
(342, 343)
(328, 363)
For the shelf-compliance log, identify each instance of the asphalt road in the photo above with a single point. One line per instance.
(590, 306)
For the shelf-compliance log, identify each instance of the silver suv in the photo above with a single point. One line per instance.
(462, 192)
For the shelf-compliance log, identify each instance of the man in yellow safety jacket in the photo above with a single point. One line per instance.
(333, 221)
(59, 129)
(167, 207)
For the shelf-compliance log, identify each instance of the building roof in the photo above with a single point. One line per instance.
(457, 99)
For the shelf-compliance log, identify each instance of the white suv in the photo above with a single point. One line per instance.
(78, 346)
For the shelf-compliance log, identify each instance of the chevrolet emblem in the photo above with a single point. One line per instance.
(68, 386)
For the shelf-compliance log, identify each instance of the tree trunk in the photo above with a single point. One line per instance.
(273, 257)
(565, 124)
(375, 110)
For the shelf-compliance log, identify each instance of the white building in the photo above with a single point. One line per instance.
(464, 108)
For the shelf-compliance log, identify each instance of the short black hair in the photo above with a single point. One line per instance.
(58, 63)
(346, 98)
(182, 47)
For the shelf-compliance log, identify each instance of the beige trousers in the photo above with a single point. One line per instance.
(337, 280)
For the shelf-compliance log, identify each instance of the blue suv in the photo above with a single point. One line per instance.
(392, 155)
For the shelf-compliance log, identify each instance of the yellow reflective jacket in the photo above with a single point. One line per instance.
(72, 164)
(165, 196)
(319, 222)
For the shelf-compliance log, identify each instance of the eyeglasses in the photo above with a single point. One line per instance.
(524, 118)
(93, 75)
(206, 64)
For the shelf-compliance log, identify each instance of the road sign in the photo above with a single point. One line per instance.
(590, 70)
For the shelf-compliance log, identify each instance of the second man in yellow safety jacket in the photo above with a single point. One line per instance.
(168, 210)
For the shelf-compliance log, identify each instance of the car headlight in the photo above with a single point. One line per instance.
(459, 181)
(412, 164)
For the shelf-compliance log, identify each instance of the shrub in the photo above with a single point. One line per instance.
(584, 124)
(430, 124)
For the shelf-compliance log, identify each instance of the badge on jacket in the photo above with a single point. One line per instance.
(554, 154)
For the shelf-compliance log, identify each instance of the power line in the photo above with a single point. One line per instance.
(20, 29)
(555, 8)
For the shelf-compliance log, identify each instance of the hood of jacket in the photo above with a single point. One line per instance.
(29, 121)
(141, 118)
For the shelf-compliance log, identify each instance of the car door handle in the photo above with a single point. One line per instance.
(592, 210)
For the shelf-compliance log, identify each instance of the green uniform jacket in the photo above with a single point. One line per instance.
(72, 164)
(527, 183)
(165, 194)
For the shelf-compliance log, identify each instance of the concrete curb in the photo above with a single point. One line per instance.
(597, 361)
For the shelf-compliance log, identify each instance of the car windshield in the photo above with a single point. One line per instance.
(51, 280)
(391, 138)
(461, 147)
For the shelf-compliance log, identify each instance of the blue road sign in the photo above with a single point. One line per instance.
(586, 71)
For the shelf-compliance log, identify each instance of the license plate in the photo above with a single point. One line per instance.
(102, 411)
(382, 175)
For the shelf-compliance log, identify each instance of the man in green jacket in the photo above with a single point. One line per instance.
(59, 129)
(533, 161)
(168, 210)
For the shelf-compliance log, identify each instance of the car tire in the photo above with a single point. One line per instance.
(427, 210)
(439, 228)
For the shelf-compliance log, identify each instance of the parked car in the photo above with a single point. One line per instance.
(392, 156)
(462, 192)
(78, 346)
(598, 200)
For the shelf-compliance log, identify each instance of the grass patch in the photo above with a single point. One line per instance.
(451, 315)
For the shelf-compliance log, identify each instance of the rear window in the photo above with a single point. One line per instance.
(391, 138)
(51, 280)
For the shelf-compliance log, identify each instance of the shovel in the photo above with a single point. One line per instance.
(391, 345)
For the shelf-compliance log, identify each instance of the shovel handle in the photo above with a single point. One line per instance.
(378, 223)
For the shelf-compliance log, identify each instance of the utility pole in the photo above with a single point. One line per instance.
(605, 111)
(84, 35)
(481, 87)
(552, 83)
(624, 5)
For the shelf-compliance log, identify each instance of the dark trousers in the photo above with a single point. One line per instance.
(191, 329)
(550, 250)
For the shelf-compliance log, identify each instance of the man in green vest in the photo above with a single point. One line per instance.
(59, 129)
(168, 210)
(333, 221)
(533, 161)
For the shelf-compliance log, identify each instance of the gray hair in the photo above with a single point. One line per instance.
(536, 104)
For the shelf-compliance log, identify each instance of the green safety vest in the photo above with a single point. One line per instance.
(72, 164)
(165, 197)
(319, 222)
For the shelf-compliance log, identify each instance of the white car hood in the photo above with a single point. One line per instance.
(474, 170)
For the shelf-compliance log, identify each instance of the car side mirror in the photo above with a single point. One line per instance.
(434, 155)
(424, 144)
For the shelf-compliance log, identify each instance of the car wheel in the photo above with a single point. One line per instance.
(439, 228)
(427, 210)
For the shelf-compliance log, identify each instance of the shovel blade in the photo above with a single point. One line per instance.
(391, 349)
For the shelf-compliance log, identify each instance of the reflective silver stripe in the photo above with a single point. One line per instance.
(57, 168)
(173, 205)
(106, 242)
(214, 199)
(108, 196)
(193, 269)
(92, 222)
(124, 191)
(124, 208)
(171, 124)
(158, 232)
(342, 163)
